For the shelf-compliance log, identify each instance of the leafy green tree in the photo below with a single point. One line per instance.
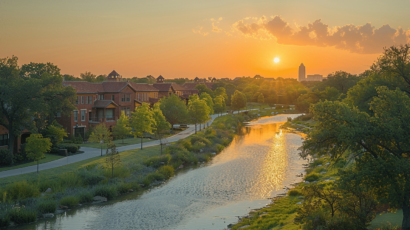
(208, 99)
(122, 129)
(36, 147)
(88, 76)
(220, 91)
(198, 111)
(219, 104)
(238, 101)
(101, 134)
(112, 158)
(261, 99)
(202, 88)
(161, 124)
(56, 133)
(101, 78)
(380, 141)
(174, 110)
(141, 121)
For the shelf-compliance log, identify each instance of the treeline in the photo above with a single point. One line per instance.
(364, 125)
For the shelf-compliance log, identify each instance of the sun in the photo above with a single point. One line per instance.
(276, 60)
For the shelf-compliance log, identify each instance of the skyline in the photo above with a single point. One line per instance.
(210, 39)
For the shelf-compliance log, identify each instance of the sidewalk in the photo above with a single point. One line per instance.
(94, 152)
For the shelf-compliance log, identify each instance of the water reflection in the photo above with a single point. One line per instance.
(256, 166)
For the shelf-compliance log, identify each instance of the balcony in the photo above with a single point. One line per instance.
(102, 119)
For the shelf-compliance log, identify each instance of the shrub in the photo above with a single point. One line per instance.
(21, 155)
(123, 187)
(4, 220)
(91, 177)
(198, 146)
(70, 179)
(225, 141)
(289, 119)
(219, 148)
(22, 190)
(157, 161)
(294, 192)
(197, 138)
(120, 172)
(5, 157)
(312, 177)
(85, 197)
(22, 215)
(72, 148)
(54, 150)
(107, 191)
(167, 171)
(155, 176)
(220, 125)
(69, 201)
(46, 206)
(186, 144)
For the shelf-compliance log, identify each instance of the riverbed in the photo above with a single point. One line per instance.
(257, 165)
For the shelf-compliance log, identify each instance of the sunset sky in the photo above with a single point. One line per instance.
(213, 38)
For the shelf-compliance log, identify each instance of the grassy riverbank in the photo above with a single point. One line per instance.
(23, 197)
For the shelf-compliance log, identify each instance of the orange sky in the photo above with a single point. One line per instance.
(139, 38)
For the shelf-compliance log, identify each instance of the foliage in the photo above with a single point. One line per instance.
(141, 120)
(100, 133)
(198, 111)
(167, 171)
(160, 123)
(219, 104)
(72, 148)
(122, 129)
(69, 201)
(55, 133)
(107, 191)
(85, 197)
(37, 146)
(158, 161)
(261, 98)
(5, 157)
(91, 177)
(46, 206)
(112, 159)
(208, 99)
(238, 100)
(174, 110)
(22, 215)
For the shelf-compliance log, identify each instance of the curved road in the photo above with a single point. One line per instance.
(94, 152)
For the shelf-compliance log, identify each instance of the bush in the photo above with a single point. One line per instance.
(225, 141)
(54, 150)
(186, 144)
(21, 190)
(46, 206)
(167, 171)
(157, 161)
(21, 155)
(156, 176)
(5, 157)
(69, 201)
(289, 119)
(4, 220)
(198, 146)
(294, 192)
(305, 117)
(91, 177)
(219, 148)
(197, 138)
(312, 177)
(107, 191)
(22, 215)
(85, 197)
(72, 148)
(123, 187)
(119, 171)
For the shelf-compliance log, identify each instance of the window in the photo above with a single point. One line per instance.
(138, 96)
(75, 115)
(126, 97)
(83, 114)
(58, 114)
(90, 99)
(76, 101)
(126, 110)
(112, 97)
(90, 115)
(86, 100)
(4, 139)
(101, 97)
(82, 100)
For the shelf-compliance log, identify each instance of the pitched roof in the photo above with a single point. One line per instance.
(103, 103)
(153, 100)
(142, 87)
(113, 74)
(160, 77)
(114, 86)
(178, 87)
(162, 87)
(84, 86)
(191, 86)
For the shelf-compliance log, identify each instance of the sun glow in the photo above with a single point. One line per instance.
(276, 60)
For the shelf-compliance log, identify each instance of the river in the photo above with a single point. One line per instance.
(257, 165)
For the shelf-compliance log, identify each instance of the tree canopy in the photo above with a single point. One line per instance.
(174, 109)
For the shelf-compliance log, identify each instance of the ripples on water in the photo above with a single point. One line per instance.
(257, 165)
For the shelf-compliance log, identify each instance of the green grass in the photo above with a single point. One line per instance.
(131, 155)
(48, 158)
(118, 143)
(382, 219)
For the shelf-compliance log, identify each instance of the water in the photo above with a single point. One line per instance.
(256, 166)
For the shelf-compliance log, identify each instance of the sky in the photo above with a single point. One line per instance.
(212, 38)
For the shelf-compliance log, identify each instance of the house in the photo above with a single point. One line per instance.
(18, 140)
(166, 89)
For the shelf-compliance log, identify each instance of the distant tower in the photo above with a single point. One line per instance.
(302, 72)
(114, 76)
(160, 79)
(196, 79)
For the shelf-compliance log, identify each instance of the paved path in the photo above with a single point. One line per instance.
(94, 152)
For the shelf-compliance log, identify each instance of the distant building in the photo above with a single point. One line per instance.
(114, 76)
(314, 77)
(302, 72)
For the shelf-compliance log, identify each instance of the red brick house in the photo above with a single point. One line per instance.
(166, 89)
(18, 140)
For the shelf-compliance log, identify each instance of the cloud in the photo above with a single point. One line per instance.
(357, 39)
(215, 28)
(199, 31)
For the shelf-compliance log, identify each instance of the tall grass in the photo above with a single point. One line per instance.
(22, 215)
(46, 206)
(69, 201)
(21, 190)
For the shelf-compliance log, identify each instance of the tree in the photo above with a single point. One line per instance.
(202, 88)
(112, 158)
(160, 124)
(36, 147)
(208, 99)
(220, 91)
(219, 104)
(198, 111)
(238, 101)
(122, 129)
(379, 140)
(101, 134)
(261, 99)
(56, 133)
(88, 76)
(141, 121)
(174, 110)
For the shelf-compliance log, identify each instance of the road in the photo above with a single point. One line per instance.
(94, 152)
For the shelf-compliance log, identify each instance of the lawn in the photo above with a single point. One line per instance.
(48, 158)
(127, 156)
(384, 219)
(118, 143)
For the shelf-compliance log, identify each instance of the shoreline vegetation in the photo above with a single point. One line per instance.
(282, 213)
(27, 198)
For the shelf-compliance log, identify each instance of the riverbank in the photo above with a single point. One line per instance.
(139, 170)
